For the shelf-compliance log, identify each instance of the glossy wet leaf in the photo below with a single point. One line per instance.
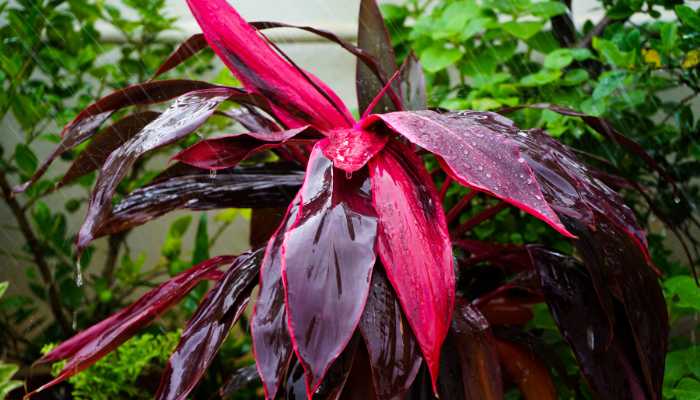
(227, 151)
(296, 98)
(184, 116)
(373, 38)
(477, 154)
(600, 352)
(523, 368)
(241, 378)
(88, 346)
(351, 149)
(478, 359)
(329, 255)
(413, 89)
(106, 141)
(208, 327)
(272, 345)
(414, 246)
(394, 355)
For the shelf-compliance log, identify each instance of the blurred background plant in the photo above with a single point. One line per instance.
(636, 66)
(54, 61)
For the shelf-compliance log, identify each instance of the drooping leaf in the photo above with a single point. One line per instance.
(208, 327)
(583, 322)
(328, 254)
(105, 142)
(240, 379)
(251, 119)
(524, 369)
(373, 38)
(477, 154)
(414, 246)
(272, 345)
(359, 385)
(184, 116)
(297, 99)
(394, 355)
(193, 45)
(88, 346)
(241, 187)
(474, 346)
(227, 151)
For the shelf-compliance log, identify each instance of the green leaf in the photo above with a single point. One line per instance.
(608, 83)
(523, 30)
(179, 227)
(669, 36)
(3, 288)
(437, 58)
(581, 54)
(611, 54)
(25, 159)
(558, 59)
(548, 9)
(688, 16)
(541, 78)
(684, 292)
(687, 389)
(454, 18)
(575, 77)
(393, 12)
(201, 241)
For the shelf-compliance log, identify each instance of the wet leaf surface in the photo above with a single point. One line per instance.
(209, 326)
(524, 369)
(329, 255)
(88, 346)
(393, 353)
(414, 246)
(476, 152)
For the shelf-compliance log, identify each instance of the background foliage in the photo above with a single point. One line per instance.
(637, 67)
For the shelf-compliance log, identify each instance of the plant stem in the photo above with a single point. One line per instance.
(37, 253)
(479, 218)
(459, 207)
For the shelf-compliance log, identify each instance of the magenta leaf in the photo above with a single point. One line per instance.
(351, 149)
(193, 45)
(208, 328)
(184, 116)
(105, 142)
(297, 99)
(601, 353)
(414, 246)
(227, 151)
(251, 119)
(476, 154)
(394, 355)
(329, 255)
(373, 38)
(249, 187)
(88, 346)
(272, 345)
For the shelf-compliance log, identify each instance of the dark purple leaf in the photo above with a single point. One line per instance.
(88, 346)
(329, 255)
(334, 382)
(394, 355)
(509, 257)
(477, 154)
(478, 361)
(264, 223)
(373, 38)
(525, 369)
(227, 151)
(414, 246)
(583, 322)
(252, 120)
(184, 116)
(296, 98)
(413, 87)
(105, 142)
(359, 385)
(193, 45)
(200, 190)
(241, 378)
(268, 327)
(208, 327)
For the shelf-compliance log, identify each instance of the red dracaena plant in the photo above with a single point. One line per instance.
(357, 294)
